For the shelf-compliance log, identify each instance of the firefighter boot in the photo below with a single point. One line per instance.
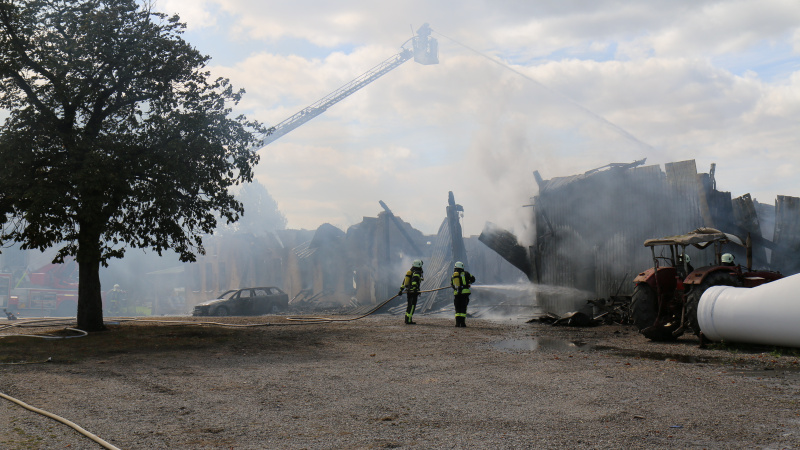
(410, 315)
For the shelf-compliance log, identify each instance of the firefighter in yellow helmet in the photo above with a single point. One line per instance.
(411, 284)
(727, 259)
(115, 300)
(460, 283)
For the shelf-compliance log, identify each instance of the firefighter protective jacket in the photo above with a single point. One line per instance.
(412, 280)
(461, 281)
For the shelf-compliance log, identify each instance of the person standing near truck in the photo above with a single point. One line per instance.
(460, 283)
(411, 284)
(115, 299)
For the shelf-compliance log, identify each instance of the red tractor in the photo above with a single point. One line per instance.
(666, 296)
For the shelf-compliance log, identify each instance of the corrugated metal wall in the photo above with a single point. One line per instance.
(591, 228)
(787, 234)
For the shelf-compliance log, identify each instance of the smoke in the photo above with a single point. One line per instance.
(523, 126)
(529, 291)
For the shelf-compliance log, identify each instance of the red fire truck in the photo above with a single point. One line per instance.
(50, 291)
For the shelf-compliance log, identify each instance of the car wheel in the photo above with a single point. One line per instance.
(222, 311)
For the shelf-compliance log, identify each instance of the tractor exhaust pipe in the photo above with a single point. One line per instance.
(765, 314)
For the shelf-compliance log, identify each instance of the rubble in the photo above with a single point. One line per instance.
(332, 269)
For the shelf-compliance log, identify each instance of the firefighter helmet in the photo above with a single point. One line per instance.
(459, 265)
(727, 258)
(417, 263)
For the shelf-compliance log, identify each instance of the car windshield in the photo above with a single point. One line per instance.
(228, 294)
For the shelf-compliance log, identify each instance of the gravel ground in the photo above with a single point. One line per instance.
(377, 383)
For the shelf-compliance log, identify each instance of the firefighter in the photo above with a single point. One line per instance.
(460, 283)
(411, 284)
(727, 259)
(115, 300)
(686, 269)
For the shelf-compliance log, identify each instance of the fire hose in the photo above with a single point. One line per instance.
(313, 320)
(73, 425)
(301, 320)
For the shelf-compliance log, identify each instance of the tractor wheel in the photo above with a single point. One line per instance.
(644, 312)
(693, 299)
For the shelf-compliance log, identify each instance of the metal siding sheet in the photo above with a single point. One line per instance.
(604, 218)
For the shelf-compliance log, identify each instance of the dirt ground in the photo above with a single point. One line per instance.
(377, 383)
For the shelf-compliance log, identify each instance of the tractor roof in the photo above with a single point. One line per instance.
(700, 238)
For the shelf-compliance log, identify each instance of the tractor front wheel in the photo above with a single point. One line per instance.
(644, 312)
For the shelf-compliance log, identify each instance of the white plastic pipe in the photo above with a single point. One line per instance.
(768, 314)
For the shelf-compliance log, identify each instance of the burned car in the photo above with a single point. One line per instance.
(245, 302)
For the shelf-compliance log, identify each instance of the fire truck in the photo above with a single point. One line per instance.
(49, 291)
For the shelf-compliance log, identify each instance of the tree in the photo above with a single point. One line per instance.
(116, 136)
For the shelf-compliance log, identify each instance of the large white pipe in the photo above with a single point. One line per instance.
(768, 314)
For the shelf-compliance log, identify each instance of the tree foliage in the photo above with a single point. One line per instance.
(116, 135)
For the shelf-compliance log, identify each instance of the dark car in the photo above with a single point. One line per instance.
(245, 302)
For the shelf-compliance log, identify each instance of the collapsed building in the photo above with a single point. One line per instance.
(331, 268)
(324, 268)
(588, 229)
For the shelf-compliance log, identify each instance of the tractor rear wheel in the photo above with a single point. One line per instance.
(644, 312)
(693, 299)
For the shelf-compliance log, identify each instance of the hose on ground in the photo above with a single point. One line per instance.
(313, 320)
(73, 425)
(298, 320)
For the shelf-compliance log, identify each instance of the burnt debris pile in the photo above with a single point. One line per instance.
(589, 229)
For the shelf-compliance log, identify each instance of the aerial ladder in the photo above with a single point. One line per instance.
(424, 49)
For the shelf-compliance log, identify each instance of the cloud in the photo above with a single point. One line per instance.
(601, 82)
(197, 14)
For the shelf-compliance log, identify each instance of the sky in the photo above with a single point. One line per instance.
(560, 87)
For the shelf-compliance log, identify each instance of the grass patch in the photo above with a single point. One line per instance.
(123, 339)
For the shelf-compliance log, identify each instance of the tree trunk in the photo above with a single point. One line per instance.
(90, 300)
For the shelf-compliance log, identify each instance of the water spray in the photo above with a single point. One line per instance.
(586, 110)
